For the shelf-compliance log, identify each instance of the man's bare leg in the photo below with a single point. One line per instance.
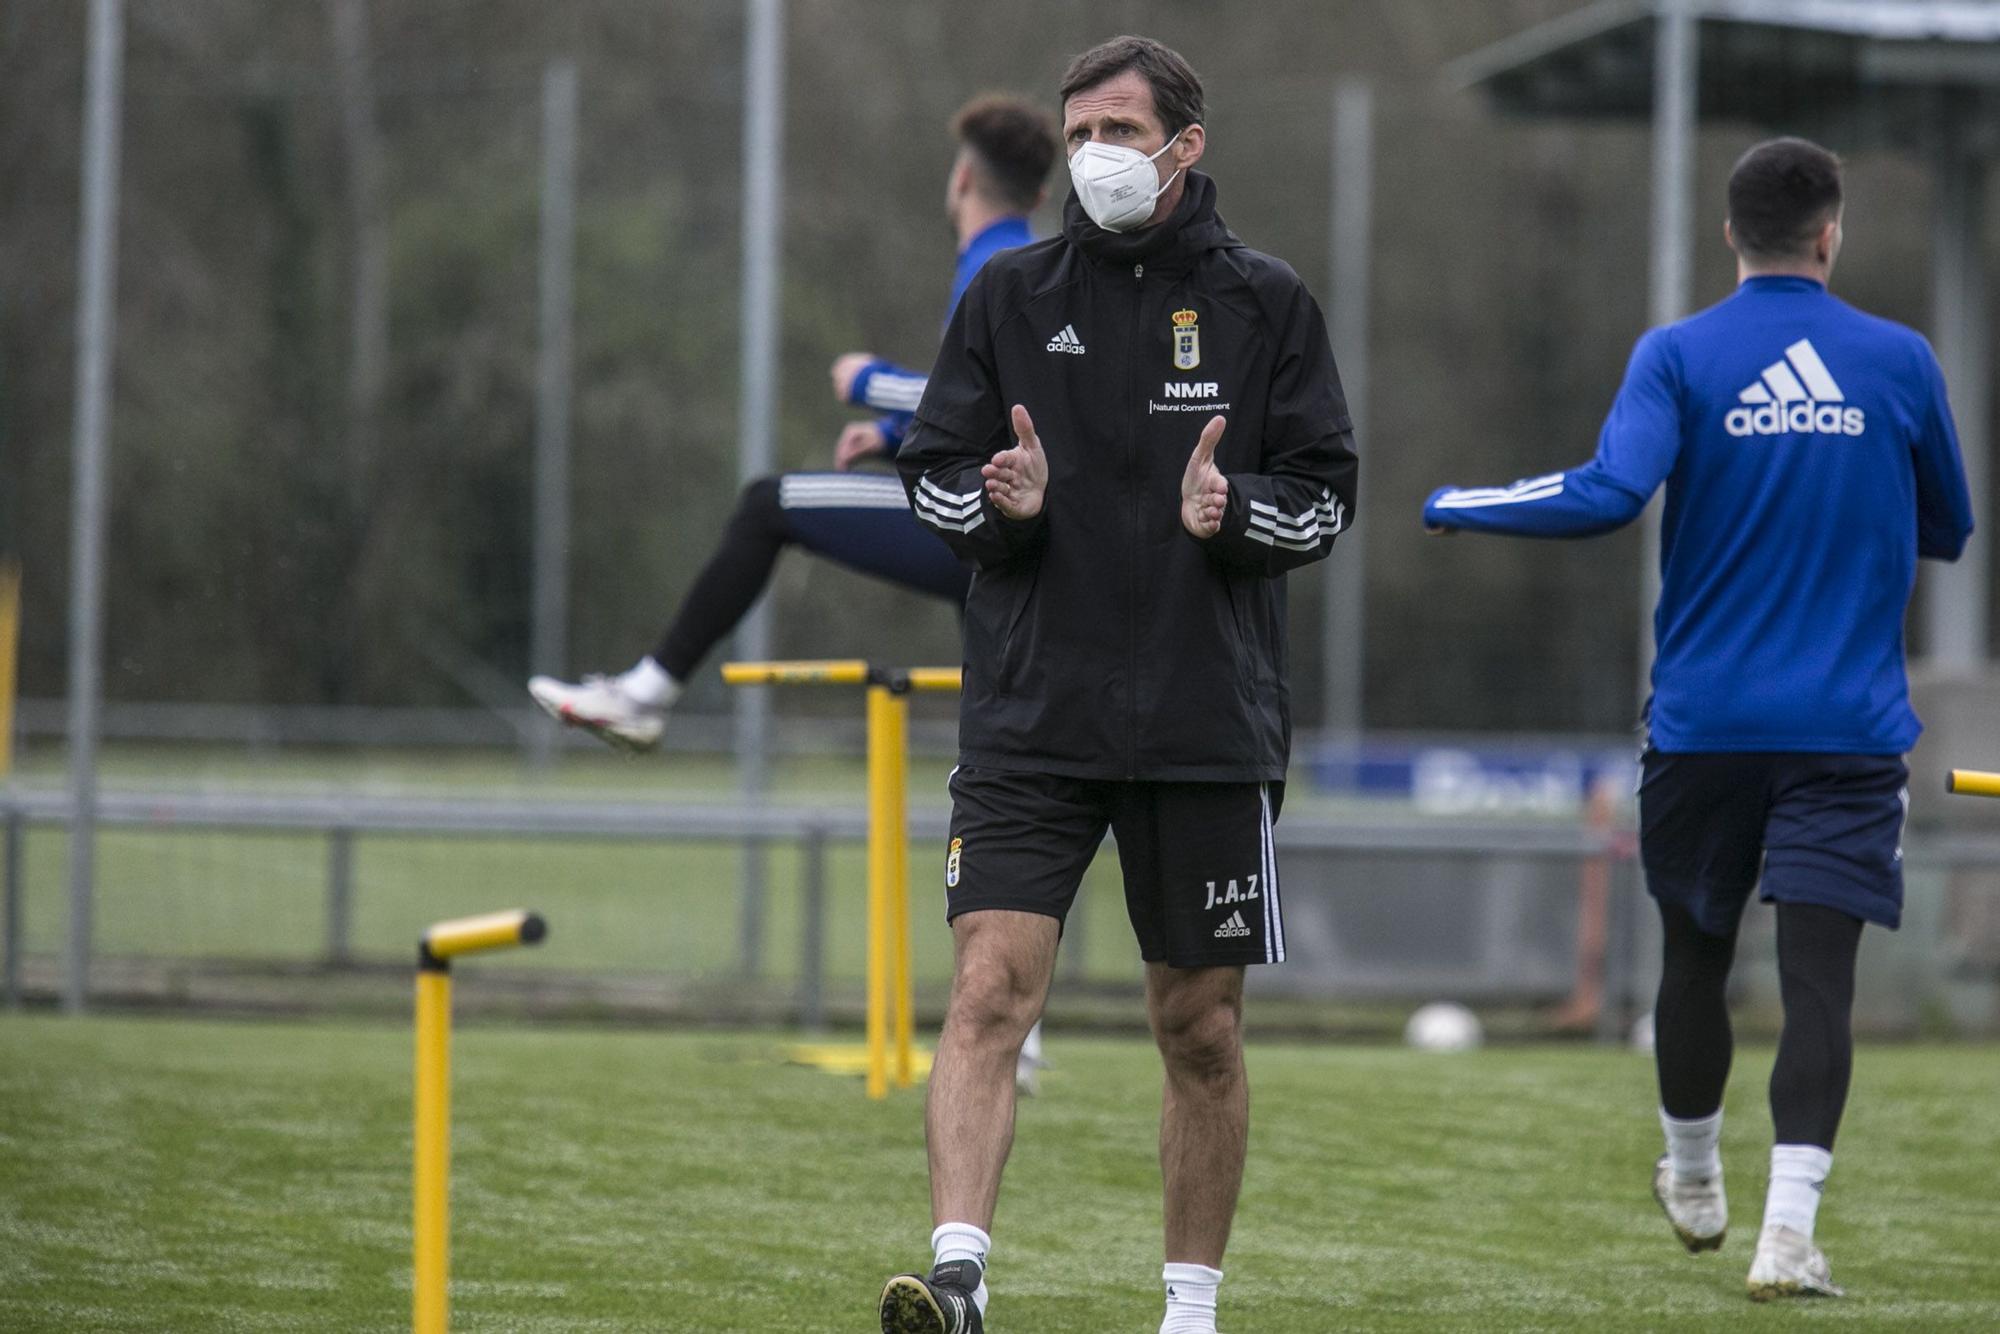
(1000, 979)
(1197, 1018)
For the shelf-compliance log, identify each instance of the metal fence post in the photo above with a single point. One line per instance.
(757, 393)
(10, 907)
(812, 929)
(1676, 109)
(1617, 1010)
(96, 320)
(750, 920)
(339, 895)
(1344, 585)
(549, 618)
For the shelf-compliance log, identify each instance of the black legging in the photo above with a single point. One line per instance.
(729, 583)
(858, 520)
(1816, 951)
(1693, 1042)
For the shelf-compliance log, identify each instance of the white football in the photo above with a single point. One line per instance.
(1443, 1026)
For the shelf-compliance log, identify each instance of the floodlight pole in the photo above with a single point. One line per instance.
(97, 281)
(549, 631)
(763, 218)
(1676, 89)
(1955, 595)
(1345, 585)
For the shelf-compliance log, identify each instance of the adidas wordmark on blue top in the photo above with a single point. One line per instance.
(1809, 459)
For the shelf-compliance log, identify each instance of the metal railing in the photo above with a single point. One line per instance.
(343, 820)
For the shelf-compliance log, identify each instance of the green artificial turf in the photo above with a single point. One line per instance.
(197, 1175)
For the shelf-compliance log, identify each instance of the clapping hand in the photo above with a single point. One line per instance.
(1204, 490)
(1017, 479)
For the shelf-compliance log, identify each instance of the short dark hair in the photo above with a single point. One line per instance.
(1780, 195)
(1014, 143)
(1176, 87)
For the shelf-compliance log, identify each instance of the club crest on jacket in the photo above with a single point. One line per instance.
(1187, 340)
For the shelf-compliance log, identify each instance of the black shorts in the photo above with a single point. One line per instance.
(1824, 829)
(1201, 878)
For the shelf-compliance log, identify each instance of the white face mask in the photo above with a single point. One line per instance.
(1117, 185)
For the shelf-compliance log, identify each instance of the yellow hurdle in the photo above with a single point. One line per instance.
(1972, 783)
(840, 672)
(891, 992)
(430, 1299)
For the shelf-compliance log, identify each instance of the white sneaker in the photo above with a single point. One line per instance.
(1029, 1065)
(1789, 1265)
(1698, 1210)
(1027, 1078)
(601, 706)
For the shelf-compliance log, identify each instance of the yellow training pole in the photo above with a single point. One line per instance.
(935, 678)
(431, 1183)
(881, 807)
(891, 986)
(837, 672)
(433, 1167)
(1972, 783)
(897, 832)
(920, 678)
(10, 638)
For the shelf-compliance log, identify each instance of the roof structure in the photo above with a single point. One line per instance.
(1857, 73)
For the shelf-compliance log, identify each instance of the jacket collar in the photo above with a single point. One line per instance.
(1174, 246)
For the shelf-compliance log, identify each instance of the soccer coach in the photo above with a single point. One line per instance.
(1809, 459)
(1133, 431)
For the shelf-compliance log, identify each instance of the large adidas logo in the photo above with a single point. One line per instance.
(1067, 341)
(1235, 926)
(1797, 393)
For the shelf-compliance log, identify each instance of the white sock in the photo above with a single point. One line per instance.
(963, 1241)
(1694, 1148)
(649, 684)
(1031, 1046)
(1798, 1175)
(1190, 1299)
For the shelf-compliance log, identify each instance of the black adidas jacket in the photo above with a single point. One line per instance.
(1102, 640)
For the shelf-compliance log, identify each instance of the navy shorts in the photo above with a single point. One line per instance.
(1201, 877)
(1822, 829)
(863, 520)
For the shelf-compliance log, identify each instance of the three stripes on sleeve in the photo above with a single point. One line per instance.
(946, 510)
(1297, 532)
(1479, 497)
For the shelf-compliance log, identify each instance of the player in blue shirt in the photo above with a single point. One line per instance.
(858, 519)
(1809, 460)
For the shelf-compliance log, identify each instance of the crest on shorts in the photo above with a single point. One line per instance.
(1187, 340)
(951, 864)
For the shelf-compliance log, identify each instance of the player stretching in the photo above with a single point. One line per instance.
(1809, 460)
(860, 520)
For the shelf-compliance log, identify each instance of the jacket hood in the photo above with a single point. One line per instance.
(1190, 231)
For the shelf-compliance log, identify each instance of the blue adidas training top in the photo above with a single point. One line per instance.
(1809, 458)
(896, 390)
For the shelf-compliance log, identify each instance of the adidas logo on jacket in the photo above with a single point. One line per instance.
(1796, 393)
